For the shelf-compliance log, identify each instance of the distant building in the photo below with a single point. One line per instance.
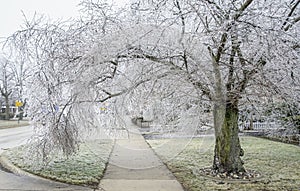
(12, 109)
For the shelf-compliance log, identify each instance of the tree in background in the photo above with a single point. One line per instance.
(6, 85)
(20, 74)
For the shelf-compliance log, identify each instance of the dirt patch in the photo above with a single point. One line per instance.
(243, 177)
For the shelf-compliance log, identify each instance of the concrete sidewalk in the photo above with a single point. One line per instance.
(133, 166)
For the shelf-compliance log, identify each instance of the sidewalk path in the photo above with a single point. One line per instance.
(133, 166)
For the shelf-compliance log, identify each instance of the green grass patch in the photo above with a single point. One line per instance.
(279, 164)
(86, 167)
(4, 124)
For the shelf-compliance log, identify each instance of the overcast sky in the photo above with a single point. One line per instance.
(11, 17)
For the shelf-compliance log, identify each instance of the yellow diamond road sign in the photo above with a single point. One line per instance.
(102, 108)
(19, 104)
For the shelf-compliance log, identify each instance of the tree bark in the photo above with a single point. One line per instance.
(228, 150)
(7, 108)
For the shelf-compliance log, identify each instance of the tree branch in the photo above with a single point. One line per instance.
(284, 27)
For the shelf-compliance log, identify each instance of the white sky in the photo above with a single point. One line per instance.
(11, 17)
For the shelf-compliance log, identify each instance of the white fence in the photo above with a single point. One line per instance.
(259, 126)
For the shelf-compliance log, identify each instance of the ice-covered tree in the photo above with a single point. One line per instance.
(66, 78)
(186, 54)
(231, 51)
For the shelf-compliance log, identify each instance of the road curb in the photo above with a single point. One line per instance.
(9, 166)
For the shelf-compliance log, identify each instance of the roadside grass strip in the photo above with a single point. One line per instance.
(85, 167)
(4, 124)
(278, 163)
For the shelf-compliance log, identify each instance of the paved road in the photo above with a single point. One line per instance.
(13, 137)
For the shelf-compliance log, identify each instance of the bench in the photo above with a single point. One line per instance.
(139, 121)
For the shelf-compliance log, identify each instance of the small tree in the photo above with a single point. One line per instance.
(6, 85)
(20, 73)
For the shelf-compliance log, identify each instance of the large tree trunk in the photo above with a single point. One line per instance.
(7, 108)
(228, 150)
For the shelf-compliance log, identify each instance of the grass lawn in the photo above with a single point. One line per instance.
(12, 123)
(86, 167)
(279, 163)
